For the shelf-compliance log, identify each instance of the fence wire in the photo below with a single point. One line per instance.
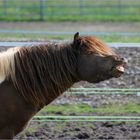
(93, 118)
(44, 10)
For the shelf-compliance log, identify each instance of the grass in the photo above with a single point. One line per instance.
(81, 108)
(73, 10)
(106, 38)
(85, 108)
(118, 108)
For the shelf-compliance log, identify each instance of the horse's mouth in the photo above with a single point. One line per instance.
(118, 70)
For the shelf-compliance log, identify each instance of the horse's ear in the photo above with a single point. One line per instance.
(76, 36)
(77, 41)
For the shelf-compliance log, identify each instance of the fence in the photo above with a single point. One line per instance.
(129, 91)
(24, 43)
(44, 10)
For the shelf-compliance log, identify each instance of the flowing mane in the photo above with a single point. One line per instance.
(7, 65)
(44, 69)
(42, 72)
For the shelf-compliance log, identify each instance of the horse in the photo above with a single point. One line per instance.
(31, 77)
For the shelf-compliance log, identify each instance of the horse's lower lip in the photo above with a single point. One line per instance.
(119, 73)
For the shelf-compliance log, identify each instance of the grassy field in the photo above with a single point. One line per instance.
(86, 109)
(106, 38)
(71, 128)
(73, 10)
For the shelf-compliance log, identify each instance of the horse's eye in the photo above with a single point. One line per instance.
(116, 58)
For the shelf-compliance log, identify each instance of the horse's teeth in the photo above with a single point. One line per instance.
(120, 68)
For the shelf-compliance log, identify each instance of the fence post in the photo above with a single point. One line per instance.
(41, 10)
(81, 7)
(5, 6)
(120, 7)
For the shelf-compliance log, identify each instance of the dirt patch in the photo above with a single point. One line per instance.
(74, 26)
(84, 130)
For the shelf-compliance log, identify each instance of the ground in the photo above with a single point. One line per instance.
(74, 26)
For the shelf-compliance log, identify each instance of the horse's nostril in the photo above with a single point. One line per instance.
(124, 60)
(121, 60)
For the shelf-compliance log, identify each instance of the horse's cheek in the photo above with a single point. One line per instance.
(86, 70)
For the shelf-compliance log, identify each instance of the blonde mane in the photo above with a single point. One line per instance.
(7, 64)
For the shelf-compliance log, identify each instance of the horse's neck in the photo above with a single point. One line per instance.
(58, 92)
(66, 74)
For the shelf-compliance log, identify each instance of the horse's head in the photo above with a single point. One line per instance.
(96, 61)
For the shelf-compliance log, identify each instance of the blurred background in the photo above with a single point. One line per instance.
(114, 21)
(71, 10)
(107, 110)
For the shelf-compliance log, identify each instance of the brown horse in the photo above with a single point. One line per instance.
(32, 77)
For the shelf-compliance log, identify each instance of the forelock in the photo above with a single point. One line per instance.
(94, 45)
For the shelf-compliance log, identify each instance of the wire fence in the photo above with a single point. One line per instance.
(111, 44)
(117, 118)
(86, 119)
(39, 32)
(43, 10)
(104, 91)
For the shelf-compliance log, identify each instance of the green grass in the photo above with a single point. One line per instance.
(81, 108)
(118, 108)
(85, 108)
(106, 38)
(73, 10)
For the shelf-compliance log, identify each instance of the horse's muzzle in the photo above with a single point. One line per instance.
(119, 68)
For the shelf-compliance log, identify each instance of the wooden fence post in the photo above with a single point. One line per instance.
(41, 10)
